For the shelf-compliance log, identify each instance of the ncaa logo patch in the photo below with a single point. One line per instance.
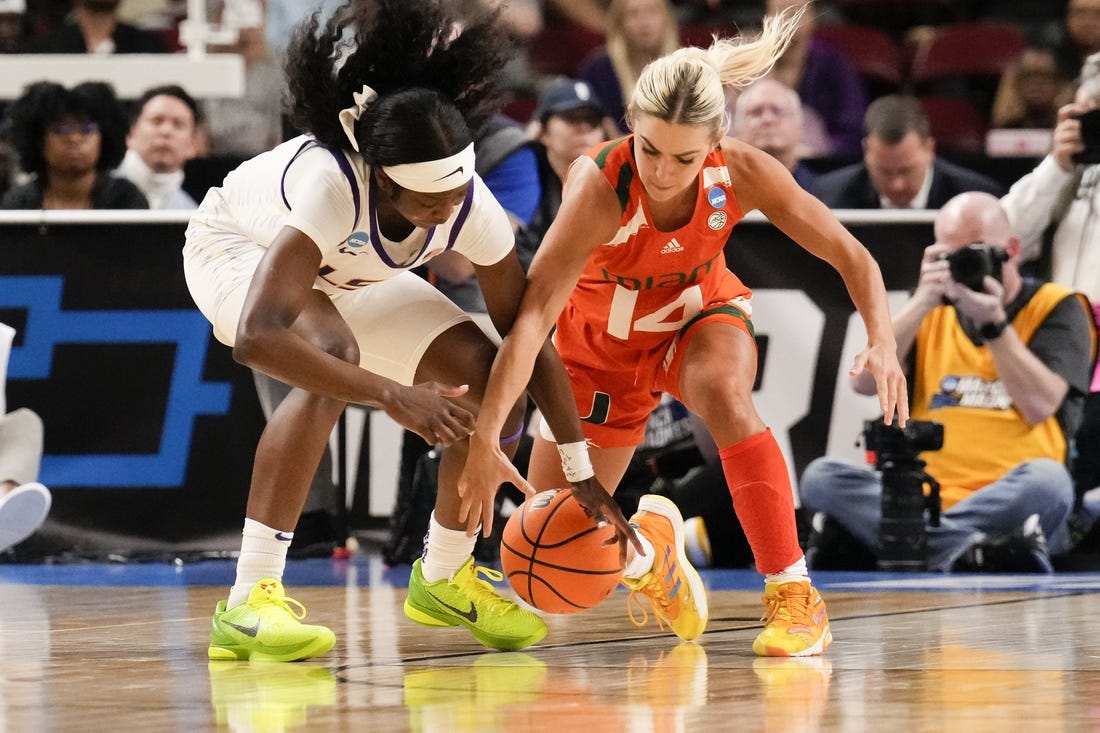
(358, 239)
(716, 196)
(717, 220)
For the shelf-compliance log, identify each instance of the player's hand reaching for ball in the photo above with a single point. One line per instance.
(486, 468)
(429, 410)
(604, 509)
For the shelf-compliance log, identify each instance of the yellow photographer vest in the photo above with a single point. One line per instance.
(956, 383)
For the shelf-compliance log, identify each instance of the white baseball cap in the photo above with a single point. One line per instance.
(13, 6)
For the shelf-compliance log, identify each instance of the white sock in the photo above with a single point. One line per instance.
(639, 565)
(795, 572)
(444, 551)
(263, 555)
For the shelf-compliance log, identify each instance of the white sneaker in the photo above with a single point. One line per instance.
(22, 512)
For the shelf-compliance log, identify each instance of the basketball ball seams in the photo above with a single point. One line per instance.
(562, 598)
(554, 556)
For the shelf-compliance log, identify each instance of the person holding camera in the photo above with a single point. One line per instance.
(1053, 209)
(1002, 362)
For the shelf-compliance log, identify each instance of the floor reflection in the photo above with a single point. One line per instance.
(268, 698)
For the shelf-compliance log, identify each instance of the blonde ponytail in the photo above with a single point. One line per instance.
(688, 86)
(740, 62)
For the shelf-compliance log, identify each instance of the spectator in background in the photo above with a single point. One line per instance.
(638, 31)
(69, 141)
(253, 123)
(24, 503)
(1004, 368)
(1080, 36)
(94, 27)
(1030, 92)
(1053, 210)
(14, 29)
(768, 115)
(569, 120)
(900, 168)
(826, 82)
(160, 142)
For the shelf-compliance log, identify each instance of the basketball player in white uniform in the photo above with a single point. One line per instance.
(301, 262)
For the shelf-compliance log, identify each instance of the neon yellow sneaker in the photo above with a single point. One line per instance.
(675, 591)
(795, 621)
(469, 601)
(267, 697)
(266, 628)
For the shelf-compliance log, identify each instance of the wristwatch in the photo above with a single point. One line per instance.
(992, 331)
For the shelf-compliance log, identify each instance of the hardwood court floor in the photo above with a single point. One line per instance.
(102, 647)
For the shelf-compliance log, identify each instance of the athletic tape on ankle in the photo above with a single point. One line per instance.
(514, 436)
(575, 462)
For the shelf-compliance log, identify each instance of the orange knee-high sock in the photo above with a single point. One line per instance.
(756, 474)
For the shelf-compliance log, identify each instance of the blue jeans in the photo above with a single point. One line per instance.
(852, 495)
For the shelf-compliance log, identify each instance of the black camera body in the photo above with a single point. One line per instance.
(902, 536)
(970, 264)
(891, 444)
(1090, 138)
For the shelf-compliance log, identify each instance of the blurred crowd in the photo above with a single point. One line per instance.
(997, 92)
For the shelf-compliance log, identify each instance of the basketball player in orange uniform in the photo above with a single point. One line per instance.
(634, 267)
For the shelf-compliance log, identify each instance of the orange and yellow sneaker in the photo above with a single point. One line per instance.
(795, 621)
(674, 589)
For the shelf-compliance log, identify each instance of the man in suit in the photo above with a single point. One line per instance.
(900, 169)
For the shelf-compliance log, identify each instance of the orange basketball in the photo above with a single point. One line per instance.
(553, 554)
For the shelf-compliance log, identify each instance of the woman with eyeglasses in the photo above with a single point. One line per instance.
(68, 141)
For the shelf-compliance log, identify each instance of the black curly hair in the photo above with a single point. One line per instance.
(435, 90)
(45, 103)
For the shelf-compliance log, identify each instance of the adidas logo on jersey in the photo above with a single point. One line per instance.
(672, 246)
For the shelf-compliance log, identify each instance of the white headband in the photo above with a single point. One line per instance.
(433, 176)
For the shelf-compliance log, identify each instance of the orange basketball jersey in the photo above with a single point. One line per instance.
(641, 288)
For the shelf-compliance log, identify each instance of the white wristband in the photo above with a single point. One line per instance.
(575, 462)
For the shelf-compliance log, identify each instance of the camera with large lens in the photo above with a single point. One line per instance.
(902, 538)
(970, 264)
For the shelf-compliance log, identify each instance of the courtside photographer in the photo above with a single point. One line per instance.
(1002, 362)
